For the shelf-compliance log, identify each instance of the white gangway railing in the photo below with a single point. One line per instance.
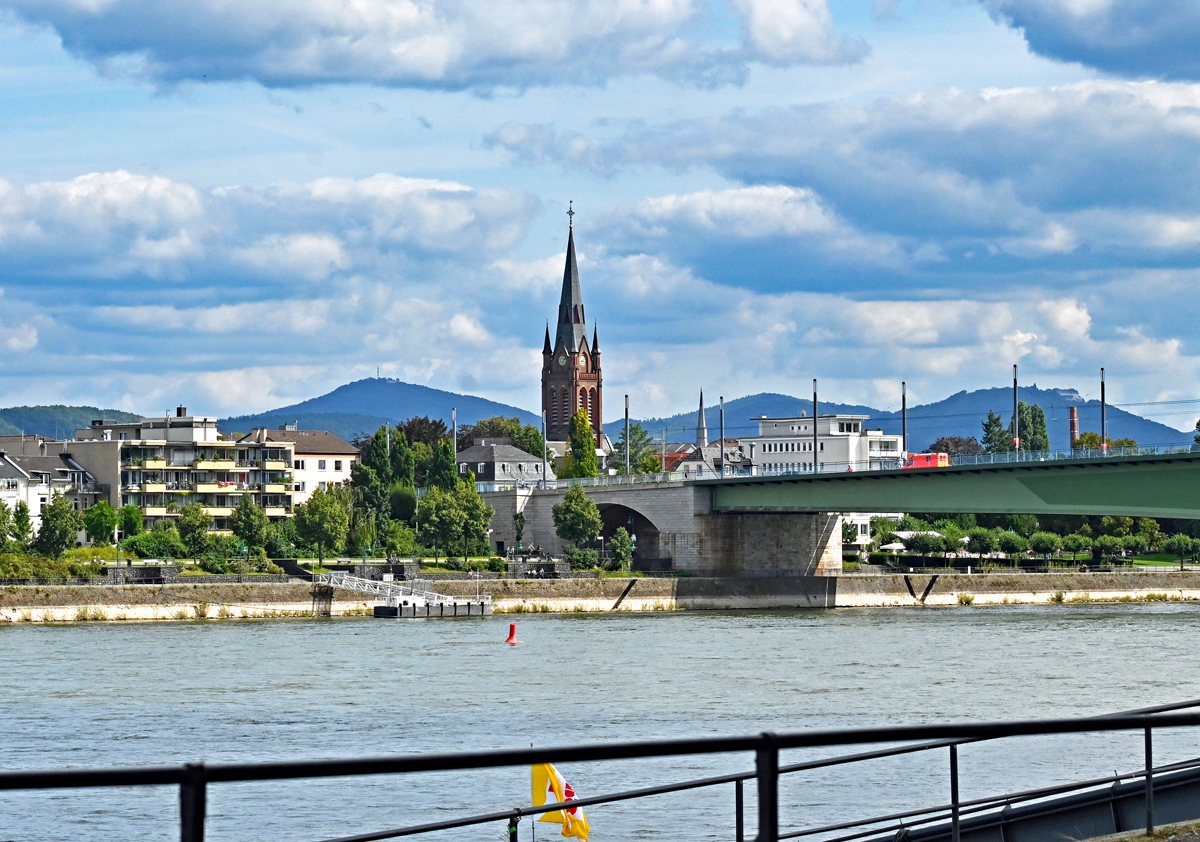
(416, 590)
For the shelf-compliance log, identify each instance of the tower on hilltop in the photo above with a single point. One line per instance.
(571, 378)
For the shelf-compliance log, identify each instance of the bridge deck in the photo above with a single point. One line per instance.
(1162, 485)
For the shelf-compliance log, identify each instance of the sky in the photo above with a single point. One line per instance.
(240, 205)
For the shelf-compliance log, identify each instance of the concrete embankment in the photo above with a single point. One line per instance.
(241, 601)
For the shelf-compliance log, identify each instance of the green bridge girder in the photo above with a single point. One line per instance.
(1157, 486)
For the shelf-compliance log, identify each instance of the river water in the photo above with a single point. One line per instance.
(102, 695)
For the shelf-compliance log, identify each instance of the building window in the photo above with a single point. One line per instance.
(321, 486)
(462, 467)
(321, 465)
(480, 467)
(298, 465)
(337, 464)
(303, 486)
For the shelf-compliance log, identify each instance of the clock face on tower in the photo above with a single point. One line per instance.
(583, 359)
(562, 360)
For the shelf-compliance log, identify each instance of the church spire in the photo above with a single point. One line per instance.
(546, 349)
(572, 325)
(701, 426)
(595, 339)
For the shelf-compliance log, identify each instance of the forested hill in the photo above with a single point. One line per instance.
(365, 405)
(958, 415)
(55, 421)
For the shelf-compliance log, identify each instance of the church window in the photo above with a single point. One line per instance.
(582, 399)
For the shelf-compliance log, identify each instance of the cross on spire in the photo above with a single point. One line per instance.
(570, 213)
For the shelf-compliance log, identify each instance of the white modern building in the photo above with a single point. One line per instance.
(319, 458)
(843, 442)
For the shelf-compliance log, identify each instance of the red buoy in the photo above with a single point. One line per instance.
(512, 634)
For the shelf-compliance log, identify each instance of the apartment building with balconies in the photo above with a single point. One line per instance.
(33, 469)
(162, 464)
(320, 459)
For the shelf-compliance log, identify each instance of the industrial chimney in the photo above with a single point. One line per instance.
(1074, 427)
(181, 411)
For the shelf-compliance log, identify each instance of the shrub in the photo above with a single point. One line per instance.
(496, 565)
(455, 564)
(582, 559)
(966, 599)
(1058, 597)
(159, 543)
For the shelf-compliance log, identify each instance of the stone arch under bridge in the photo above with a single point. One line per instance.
(678, 530)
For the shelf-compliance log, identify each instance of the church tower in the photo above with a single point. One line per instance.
(571, 378)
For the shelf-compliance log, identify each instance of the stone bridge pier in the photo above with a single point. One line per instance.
(676, 529)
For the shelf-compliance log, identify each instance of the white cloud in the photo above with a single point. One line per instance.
(20, 338)
(312, 256)
(442, 44)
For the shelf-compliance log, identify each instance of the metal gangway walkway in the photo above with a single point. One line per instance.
(412, 598)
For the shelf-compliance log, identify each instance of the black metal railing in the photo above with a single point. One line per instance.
(193, 779)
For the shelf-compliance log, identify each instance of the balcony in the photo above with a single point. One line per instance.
(277, 511)
(274, 488)
(154, 464)
(275, 465)
(155, 487)
(214, 464)
(154, 511)
(218, 511)
(241, 467)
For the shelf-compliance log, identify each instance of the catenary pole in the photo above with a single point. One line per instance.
(1016, 416)
(627, 435)
(815, 442)
(903, 419)
(454, 436)
(1103, 416)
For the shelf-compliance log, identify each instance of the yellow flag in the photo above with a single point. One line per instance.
(549, 785)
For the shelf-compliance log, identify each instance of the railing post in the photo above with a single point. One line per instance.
(1149, 784)
(739, 812)
(766, 766)
(954, 793)
(192, 803)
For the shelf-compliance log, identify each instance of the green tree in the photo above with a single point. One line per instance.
(1181, 546)
(620, 549)
(101, 520)
(281, 538)
(1108, 545)
(1034, 436)
(476, 516)
(1151, 533)
(5, 526)
(426, 430)
(1044, 543)
(402, 502)
(130, 520)
(580, 458)
(399, 539)
(849, 532)
(980, 541)
(442, 472)
(1011, 544)
(59, 529)
(1133, 545)
(642, 458)
(924, 543)
(1076, 543)
(249, 522)
(193, 523)
(519, 525)
(576, 518)
(440, 519)
(1118, 526)
(958, 445)
(323, 522)
(362, 534)
(22, 526)
(995, 438)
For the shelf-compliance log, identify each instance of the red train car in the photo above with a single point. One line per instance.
(927, 460)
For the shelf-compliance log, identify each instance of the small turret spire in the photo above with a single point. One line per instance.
(701, 425)
(595, 339)
(546, 349)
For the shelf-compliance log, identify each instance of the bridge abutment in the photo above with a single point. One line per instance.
(676, 529)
